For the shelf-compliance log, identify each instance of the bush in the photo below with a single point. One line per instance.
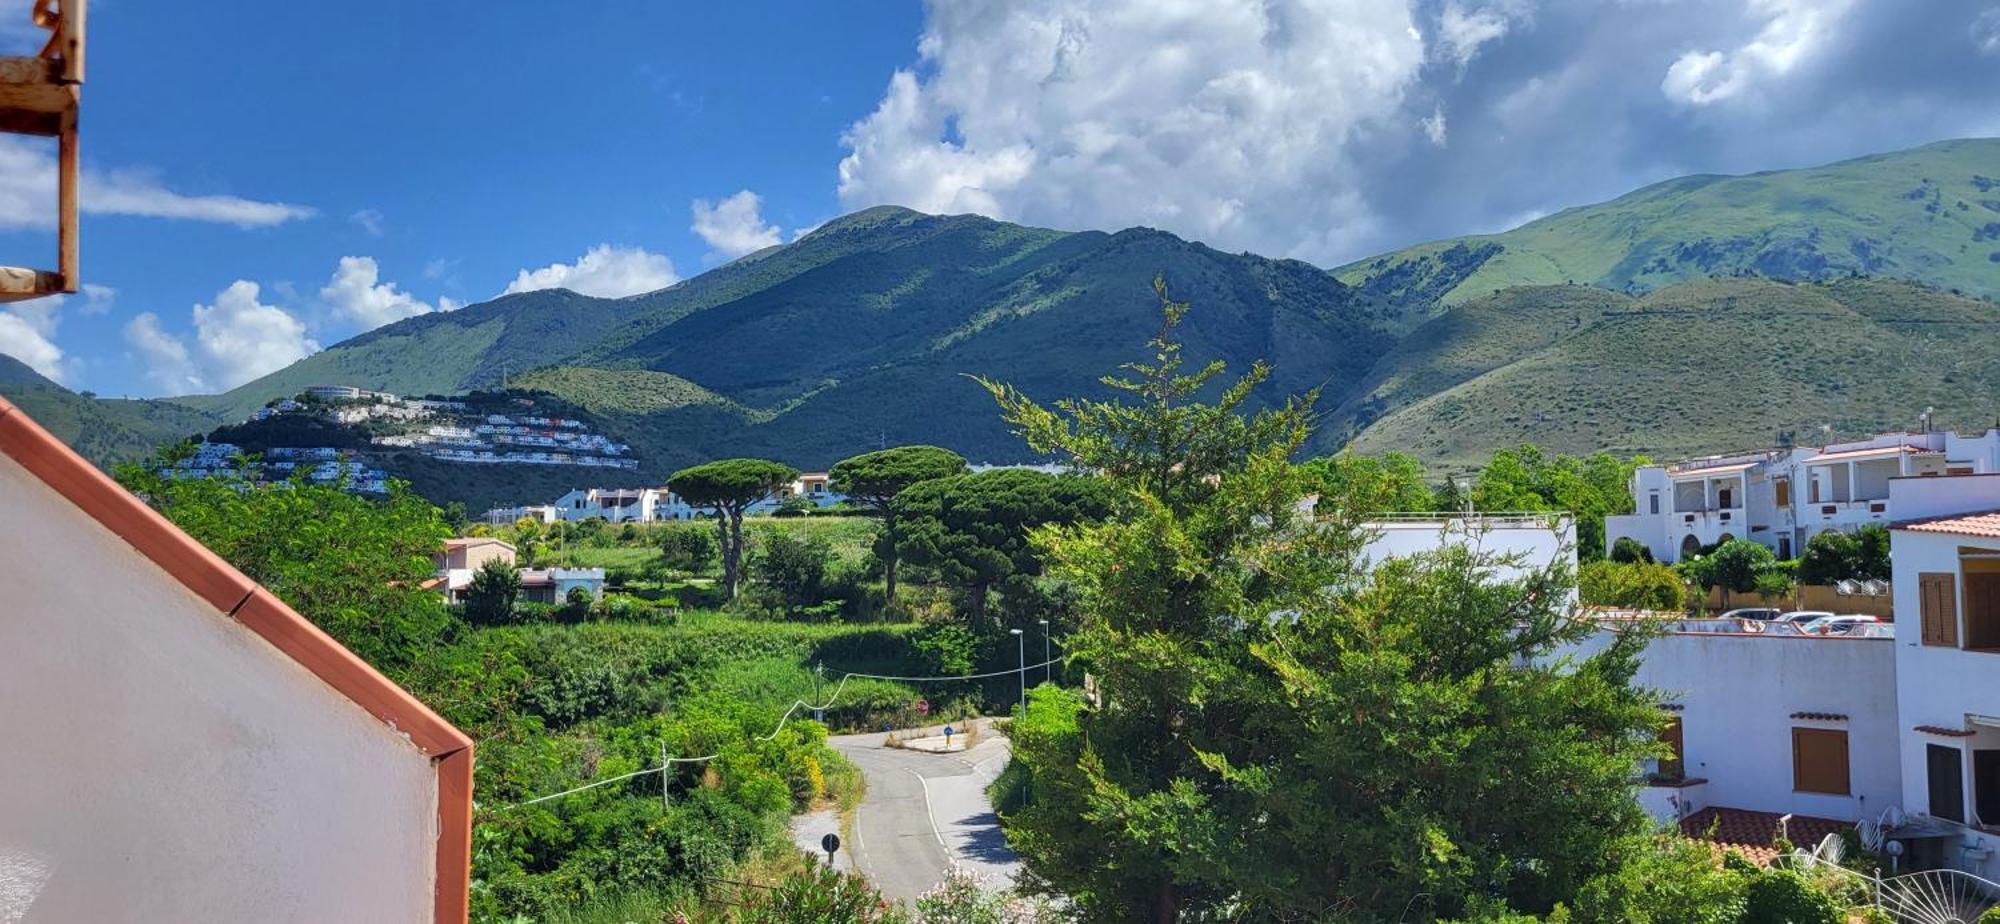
(793, 570)
(819, 895)
(1781, 896)
(1636, 585)
(1628, 550)
(1664, 880)
(1831, 557)
(689, 547)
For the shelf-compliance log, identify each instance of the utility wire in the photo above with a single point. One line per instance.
(797, 704)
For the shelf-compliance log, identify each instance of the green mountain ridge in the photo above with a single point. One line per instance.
(106, 431)
(1682, 330)
(1929, 214)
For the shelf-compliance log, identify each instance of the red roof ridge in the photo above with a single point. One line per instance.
(235, 595)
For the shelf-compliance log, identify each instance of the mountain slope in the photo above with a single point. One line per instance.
(106, 431)
(1697, 368)
(1930, 214)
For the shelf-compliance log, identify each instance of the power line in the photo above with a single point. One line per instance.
(797, 704)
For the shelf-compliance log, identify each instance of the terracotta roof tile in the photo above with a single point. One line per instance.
(1946, 732)
(1820, 716)
(1985, 525)
(1754, 834)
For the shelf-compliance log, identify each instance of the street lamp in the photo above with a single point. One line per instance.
(1021, 647)
(1048, 663)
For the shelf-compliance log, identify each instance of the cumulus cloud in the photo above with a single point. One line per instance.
(1318, 128)
(1207, 119)
(1792, 31)
(734, 227)
(28, 189)
(235, 339)
(356, 294)
(28, 328)
(605, 271)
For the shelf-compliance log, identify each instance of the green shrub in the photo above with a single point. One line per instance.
(819, 895)
(1780, 896)
(689, 547)
(1664, 880)
(1628, 550)
(1636, 585)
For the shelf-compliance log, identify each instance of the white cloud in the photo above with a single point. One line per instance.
(447, 303)
(1434, 126)
(605, 271)
(28, 328)
(1793, 30)
(370, 221)
(733, 227)
(28, 184)
(1461, 31)
(1226, 122)
(356, 294)
(236, 339)
(1986, 32)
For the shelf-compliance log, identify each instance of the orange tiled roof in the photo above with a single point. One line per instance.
(1983, 525)
(1753, 834)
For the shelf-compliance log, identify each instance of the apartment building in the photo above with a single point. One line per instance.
(1781, 498)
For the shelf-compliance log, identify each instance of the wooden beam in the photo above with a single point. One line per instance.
(69, 40)
(30, 70)
(37, 97)
(21, 122)
(18, 283)
(68, 245)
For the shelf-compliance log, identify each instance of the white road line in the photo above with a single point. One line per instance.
(928, 814)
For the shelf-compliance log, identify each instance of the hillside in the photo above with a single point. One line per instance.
(864, 332)
(1697, 368)
(1930, 214)
(106, 431)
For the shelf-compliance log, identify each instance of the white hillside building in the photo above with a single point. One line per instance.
(1781, 498)
(622, 505)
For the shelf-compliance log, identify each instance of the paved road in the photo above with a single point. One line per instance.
(925, 812)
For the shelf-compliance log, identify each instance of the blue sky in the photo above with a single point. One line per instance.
(267, 179)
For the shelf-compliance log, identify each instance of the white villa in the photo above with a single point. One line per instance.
(653, 505)
(1782, 498)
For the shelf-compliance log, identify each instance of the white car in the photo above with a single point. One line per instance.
(1764, 613)
(1801, 616)
(1837, 625)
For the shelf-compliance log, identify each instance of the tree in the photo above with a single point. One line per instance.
(971, 531)
(1628, 550)
(1632, 585)
(794, 569)
(490, 599)
(1830, 557)
(874, 479)
(354, 566)
(1592, 487)
(688, 547)
(1734, 566)
(1388, 483)
(1871, 553)
(1278, 735)
(728, 487)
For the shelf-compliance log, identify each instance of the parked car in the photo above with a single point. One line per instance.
(1754, 612)
(1801, 616)
(1837, 625)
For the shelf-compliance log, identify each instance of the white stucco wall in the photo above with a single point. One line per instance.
(159, 762)
(1538, 542)
(1737, 694)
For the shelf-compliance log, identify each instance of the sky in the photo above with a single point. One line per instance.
(265, 180)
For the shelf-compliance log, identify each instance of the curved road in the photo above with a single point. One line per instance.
(926, 812)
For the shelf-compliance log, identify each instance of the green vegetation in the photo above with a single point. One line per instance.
(728, 487)
(874, 479)
(1278, 734)
(1833, 556)
(971, 532)
(1920, 214)
(1705, 367)
(107, 431)
(1637, 585)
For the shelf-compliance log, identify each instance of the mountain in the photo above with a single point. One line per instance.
(106, 431)
(864, 332)
(1698, 368)
(1930, 214)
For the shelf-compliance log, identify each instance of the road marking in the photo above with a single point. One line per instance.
(929, 815)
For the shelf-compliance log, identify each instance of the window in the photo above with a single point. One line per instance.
(1947, 782)
(1675, 767)
(1782, 487)
(1986, 787)
(1726, 498)
(1819, 760)
(1982, 610)
(1937, 599)
(1656, 503)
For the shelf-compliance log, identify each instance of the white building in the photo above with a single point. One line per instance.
(1782, 498)
(622, 505)
(816, 487)
(182, 746)
(1946, 549)
(1526, 542)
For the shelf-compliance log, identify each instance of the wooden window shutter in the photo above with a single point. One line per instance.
(1673, 768)
(1819, 760)
(1937, 597)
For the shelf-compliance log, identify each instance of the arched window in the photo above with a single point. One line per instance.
(1689, 546)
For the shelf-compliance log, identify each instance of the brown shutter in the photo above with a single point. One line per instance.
(1937, 597)
(1819, 760)
(1673, 768)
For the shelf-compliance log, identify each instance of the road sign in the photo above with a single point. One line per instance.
(923, 707)
(948, 732)
(829, 843)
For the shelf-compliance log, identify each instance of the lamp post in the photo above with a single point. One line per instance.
(1048, 663)
(1021, 646)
